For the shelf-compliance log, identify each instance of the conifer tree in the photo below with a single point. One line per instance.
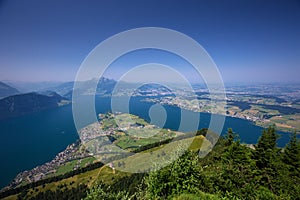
(266, 150)
(266, 158)
(291, 155)
(229, 137)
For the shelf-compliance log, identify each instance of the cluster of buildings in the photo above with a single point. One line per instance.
(72, 152)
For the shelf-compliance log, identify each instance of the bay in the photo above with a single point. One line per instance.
(34, 139)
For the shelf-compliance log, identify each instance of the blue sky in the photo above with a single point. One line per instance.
(249, 40)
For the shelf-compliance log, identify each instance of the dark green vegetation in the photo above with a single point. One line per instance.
(49, 180)
(21, 104)
(61, 193)
(281, 109)
(230, 171)
(137, 135)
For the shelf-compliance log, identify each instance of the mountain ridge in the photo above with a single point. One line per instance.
(22, 104)
(7, 90)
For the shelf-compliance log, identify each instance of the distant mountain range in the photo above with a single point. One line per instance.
(6, 90)
(153, 90)
(21, 104)
(26, 87)
(104, 86)
(14, 103)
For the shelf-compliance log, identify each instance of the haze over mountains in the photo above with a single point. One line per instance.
(14, 103)
(28, 86)
(104, 86)
(6, 90)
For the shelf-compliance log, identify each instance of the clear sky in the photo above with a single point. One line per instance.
(249, 40)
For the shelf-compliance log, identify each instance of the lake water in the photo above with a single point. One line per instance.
(34, 139)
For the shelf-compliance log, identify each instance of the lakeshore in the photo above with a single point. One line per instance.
(54, 130)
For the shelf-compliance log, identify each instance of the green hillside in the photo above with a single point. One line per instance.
(230, 171)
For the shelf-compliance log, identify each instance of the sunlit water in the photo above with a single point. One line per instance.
(34, 139)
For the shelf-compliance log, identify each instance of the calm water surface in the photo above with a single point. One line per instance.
(34, 139)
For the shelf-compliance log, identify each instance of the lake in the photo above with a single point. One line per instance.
(34, 139)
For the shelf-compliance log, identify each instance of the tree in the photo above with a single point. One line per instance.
(229, 137)
(101, 191)
(266, 150)
(291, 155)
(267, 159)
(180, 176)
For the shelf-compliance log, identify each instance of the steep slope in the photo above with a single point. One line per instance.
(104, 86)
(6, 90)
(63, 88)
(21, 104)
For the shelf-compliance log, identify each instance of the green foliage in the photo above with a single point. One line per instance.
(50, 179)
(198, 196)
(128, 183)
(61, 192)
(290, 172)
(230, 171)
(264, 194)
(266, 149)
(180, 176)
(102, 191)
(267, 159)
(292, 154)
(230, 137)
